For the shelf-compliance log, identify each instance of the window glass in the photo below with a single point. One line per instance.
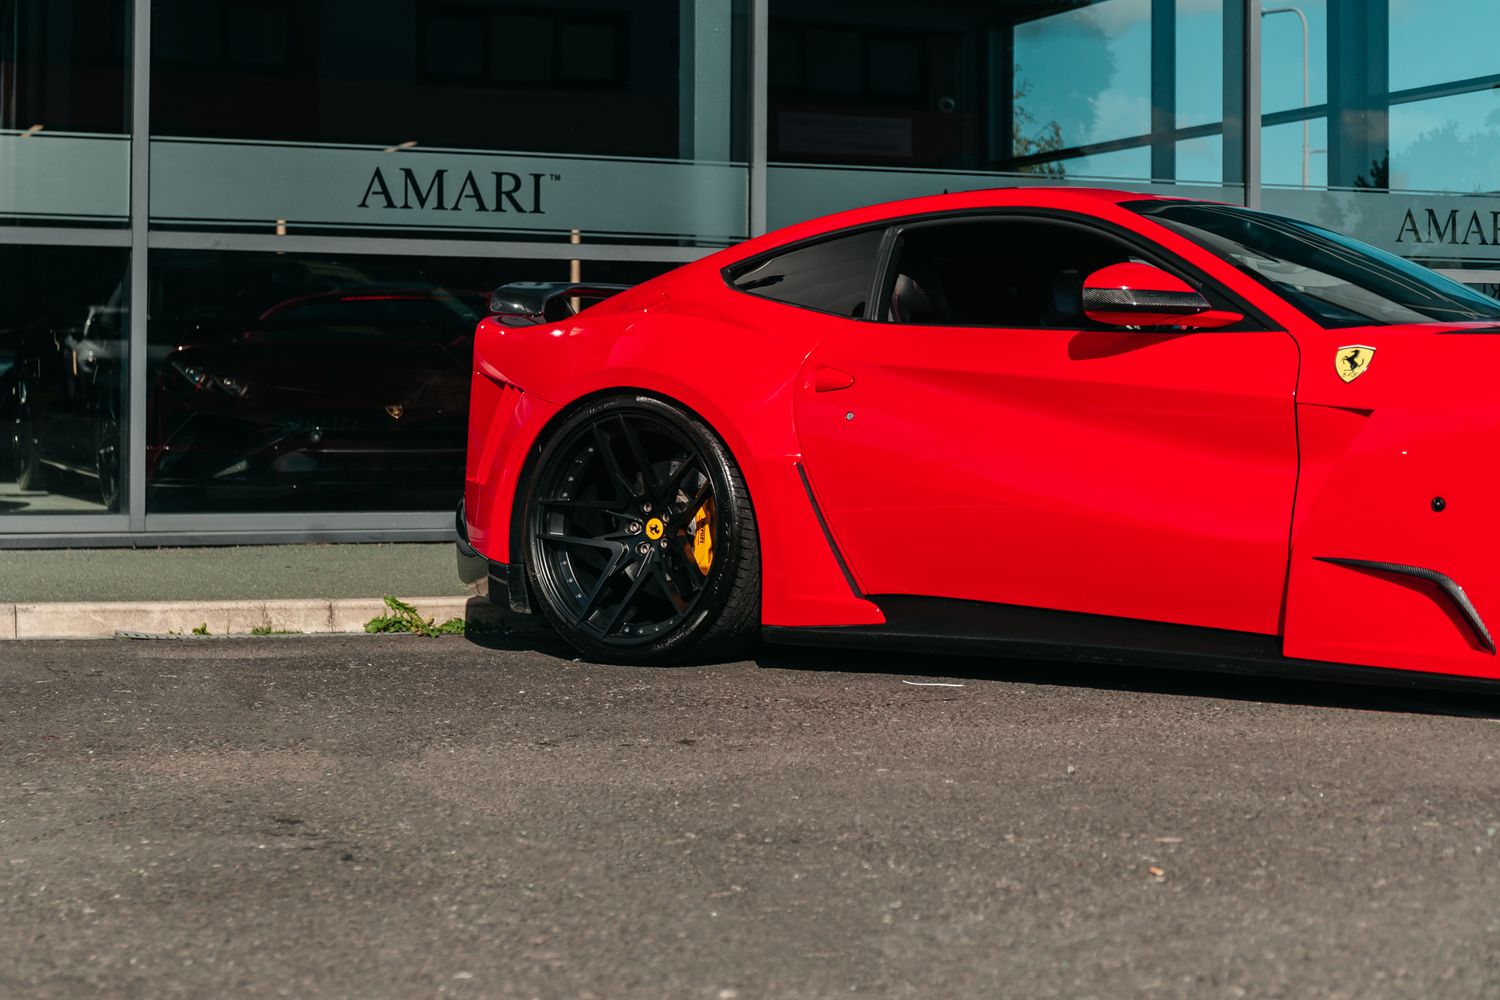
(315, 383)
(1199, 41)
(65, 112)
(63, 330)
(1003, 273)
(1440, 40)
(975, 93)
(1446, 144)
(64, 65)
(832, 276)
(1336, 280)
(1089, 71)
(606, 77)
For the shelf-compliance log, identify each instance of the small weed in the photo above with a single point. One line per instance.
(402, 617)
(269, 629)
(201, 629)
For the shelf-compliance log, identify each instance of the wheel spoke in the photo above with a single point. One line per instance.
(600, 585)
(624, 605)
(688, 567)
(612, 545)
(685, 518)
(638, 453)
(608, 506)
(668, 493)
(612, 463)
(659, 571)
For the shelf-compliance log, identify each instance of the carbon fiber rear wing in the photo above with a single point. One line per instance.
(526, 303)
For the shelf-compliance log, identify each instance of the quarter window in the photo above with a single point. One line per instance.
(832, 276)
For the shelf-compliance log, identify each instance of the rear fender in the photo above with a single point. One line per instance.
(739, 380)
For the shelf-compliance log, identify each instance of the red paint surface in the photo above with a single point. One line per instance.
(1192, 477)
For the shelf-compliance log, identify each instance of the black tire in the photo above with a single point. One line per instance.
(617, 509)
(107, 457)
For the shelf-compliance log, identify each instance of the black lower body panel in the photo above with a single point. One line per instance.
(503, 583)
(972, 628)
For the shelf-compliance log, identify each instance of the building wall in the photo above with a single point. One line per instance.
(243, 243)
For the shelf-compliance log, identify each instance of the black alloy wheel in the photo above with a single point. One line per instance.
(640, 538)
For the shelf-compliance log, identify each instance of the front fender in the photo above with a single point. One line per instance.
(1398, 475)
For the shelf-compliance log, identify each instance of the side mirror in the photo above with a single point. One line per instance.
(1137, 295)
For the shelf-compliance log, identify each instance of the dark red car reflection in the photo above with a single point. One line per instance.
(321, 397)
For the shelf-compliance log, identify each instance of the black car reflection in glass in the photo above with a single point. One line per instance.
(354, 399)
(64, 394)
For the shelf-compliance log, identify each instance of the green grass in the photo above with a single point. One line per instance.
(273, 630)
(401, 617)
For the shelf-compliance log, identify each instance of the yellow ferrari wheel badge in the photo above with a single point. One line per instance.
(655, 529)
(1351, 362)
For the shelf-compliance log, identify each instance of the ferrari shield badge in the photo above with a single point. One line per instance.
(1352, 361)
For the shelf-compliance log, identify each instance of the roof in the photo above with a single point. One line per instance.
(1084, 199)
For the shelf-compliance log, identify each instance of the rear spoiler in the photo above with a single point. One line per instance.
(525, 303)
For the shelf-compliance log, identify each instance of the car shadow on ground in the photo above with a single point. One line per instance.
(521, 634)
(1473, 701)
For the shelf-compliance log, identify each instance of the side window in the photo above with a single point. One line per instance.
(1019, 273)
(831, 276)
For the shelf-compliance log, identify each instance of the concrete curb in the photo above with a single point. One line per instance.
(61, 620)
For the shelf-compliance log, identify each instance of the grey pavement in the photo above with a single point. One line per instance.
(400, 817)
(252, 572)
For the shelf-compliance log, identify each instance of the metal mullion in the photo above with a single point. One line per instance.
(1163, 89)
(1251, 98)
(1450, 88)
(140, 207)
(760, 34)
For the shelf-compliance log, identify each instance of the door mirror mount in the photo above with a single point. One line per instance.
(1134, 295)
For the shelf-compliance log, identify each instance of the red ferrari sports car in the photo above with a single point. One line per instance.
(1054, 422)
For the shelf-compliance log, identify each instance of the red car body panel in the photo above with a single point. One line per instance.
(1111, 473)
(1197, 478)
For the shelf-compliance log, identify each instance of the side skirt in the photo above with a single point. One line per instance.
(971, 628)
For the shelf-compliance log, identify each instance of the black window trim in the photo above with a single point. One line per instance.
(1255, 320)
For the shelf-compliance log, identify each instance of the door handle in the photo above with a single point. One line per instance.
(831, 380)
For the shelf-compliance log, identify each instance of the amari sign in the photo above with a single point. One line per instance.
(302, 187)
(511, 192)
(1449, 228)
(1437, 229)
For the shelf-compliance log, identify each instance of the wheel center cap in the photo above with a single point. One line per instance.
(655, 529)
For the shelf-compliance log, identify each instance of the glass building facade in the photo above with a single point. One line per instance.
(244, 243)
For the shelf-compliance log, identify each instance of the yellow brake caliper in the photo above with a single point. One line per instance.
(703, 537)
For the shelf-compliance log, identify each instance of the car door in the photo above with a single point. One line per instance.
(984, 441)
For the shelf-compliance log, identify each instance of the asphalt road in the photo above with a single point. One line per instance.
(399, 817)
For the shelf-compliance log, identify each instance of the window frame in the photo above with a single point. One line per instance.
(1254, 319)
